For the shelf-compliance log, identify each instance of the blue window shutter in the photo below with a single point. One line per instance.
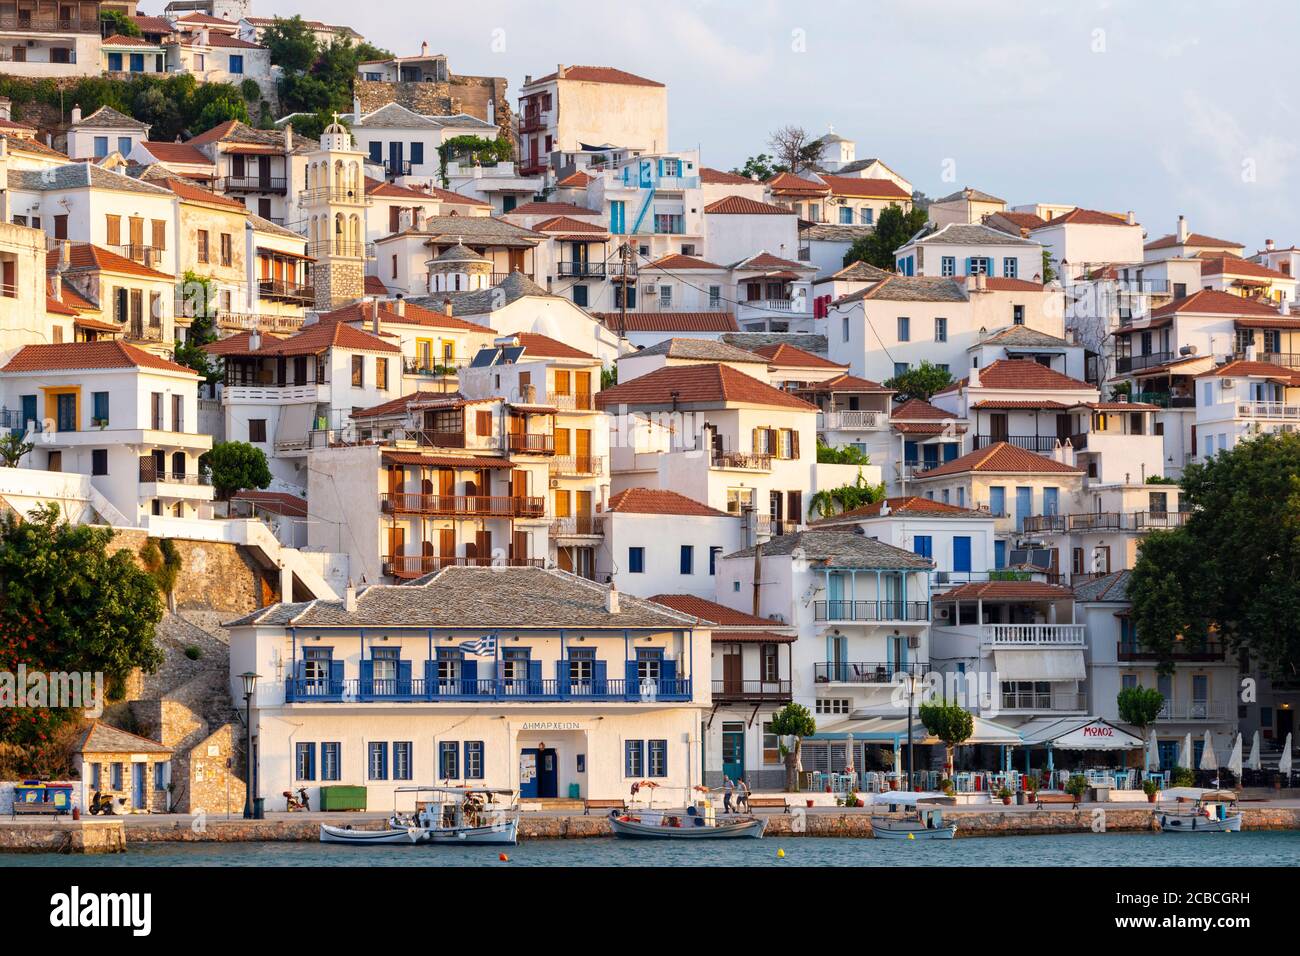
(377, 153)
(367, 676)
(998, 500)
(430, 676)
(629, 676)
(534, 677)
(562, 675)
(961, 554)
(668, 676)
(403, 677)
(336, 677)
(598, 676)
(469, 676)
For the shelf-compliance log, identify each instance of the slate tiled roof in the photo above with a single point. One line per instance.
(702, 350)
(79, 356)
(972, 234)
(654, 501)
(896, 288)
(1023, 335)
(77, 176)
(483, 301)
(100, 738)
(861, 272)
(108, 118)
(479, 597)
(808, 341)
(1111, 588)
(902, 507)
(970, 194)
(999, 458)
(688, 384)
(840, 549)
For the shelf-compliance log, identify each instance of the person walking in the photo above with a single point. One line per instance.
(726, 794)
(742, 795)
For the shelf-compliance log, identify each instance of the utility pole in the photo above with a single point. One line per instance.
(625, 256)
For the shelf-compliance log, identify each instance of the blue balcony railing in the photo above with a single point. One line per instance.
(307, 690)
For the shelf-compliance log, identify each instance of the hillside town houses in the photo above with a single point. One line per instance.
(576, 443)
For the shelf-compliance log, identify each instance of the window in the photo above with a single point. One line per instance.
(665, 296)
(378, 762)
(636, 560)
(715, 552)
(923, 545)
(115, 776)
(236, 63)
(417, 153)
(473, 760)
(381, 374)
(402, 760)
(99, 408)
(448, 760)
(658, 758)
(948, 266)
(113, 230)
(1018, 315)
(904, 328)
(634, 758)
(1010, 267)
(941, 330)
(846, 216)
(715, 296)
(358, 371)
(688, 559)
(257, 430)
(329, 761)
(115, 63)
(377, 154)
(900, 368)
(867, 216)
(305, 761)
(580, 295)
(124, 145)
(101, 147)
(844, 328)
(160, 774)
(979, 265)
(99, 461)
(227, 250)
(831, 705)
(203, 245)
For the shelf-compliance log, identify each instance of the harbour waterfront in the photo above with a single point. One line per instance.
(1274, 848)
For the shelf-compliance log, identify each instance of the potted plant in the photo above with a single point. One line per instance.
(1150, 788)
(1005, 796)
(1077, 786)
(947, 786)
(893, 783)
(852, 800)
(1182, 777)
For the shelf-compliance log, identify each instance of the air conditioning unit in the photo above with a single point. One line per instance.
(555, 482)
(1228, 384)
(778, 618)
(942, 613)
(913, 641)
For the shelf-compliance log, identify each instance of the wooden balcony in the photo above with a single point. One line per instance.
(407, 567)
(287, 292)
(577, 466)
(1040, 444)
(467, 506)
(530, 443)
(578, 526)
(252, 184)
(752, 691)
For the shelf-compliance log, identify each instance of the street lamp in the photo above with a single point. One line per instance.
(250, 685)
(911, 694)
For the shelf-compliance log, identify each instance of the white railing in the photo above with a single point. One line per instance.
(855, 420)
(1268, 410)
(1034, 635)
(276, 394)
(1193, 710)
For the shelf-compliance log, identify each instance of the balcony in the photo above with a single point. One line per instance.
(1165, 399)
(1044, 524)
(578, 402)
(147, 256)
(1151, 520)
(529, 443)
(1181, 710)
(740, 461)
(1136, 363)
(751, 691)
(774, 305)
(247, 321)
(579, 526)
(334, 194)
(581, 270)
(467, 506)
(287, 292)
(337, 248)
(27, 22)
(1284, 359)
(252, 184)
(1208, 652)
(1051, 701)
(1040, 444)
(1033, 635)
(308, 690)
(863, 672)
(766, 525)
(1279, 411)
(577, 466)
(533, 121)
(1103, 521)
(855, 421)
(418, 366)
(871, 611)
(408, 567)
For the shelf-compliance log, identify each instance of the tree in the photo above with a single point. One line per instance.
(846, 455)
(199, 304)
(762, 167)
(793, 720)
(894, 228)
(831, 501)
(1231, 574)
(921, 382)
(117, 23)
(951, 724)
(1048, 272)
(68, 604)
(13, 447)
(794, 148)
(292, 44)
(228, 104)
(236, 465)
(1139, 706)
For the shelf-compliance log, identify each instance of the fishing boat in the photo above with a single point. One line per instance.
(462, 815)
(1212, 811)
(407, 836)
(699, 821)
(918, 823)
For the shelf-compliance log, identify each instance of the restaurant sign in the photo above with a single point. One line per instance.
(1098, 735)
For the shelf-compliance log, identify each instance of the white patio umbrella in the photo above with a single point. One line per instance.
(848, 762)
(1252, 762)
(1284, 762)
(1153, 752)
(1185, 752)
(1234, 760)
(1209, 761)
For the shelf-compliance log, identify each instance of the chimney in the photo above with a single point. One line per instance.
(446, 307)
(356, 109)
(971, 284)
(1268, 243)
(418, 218)
(254, 340)
(65, 255)
(528, 79)
(424, 48)
(288, 138)
(374, 316)
(1182, 228)
(6, 108)
(981, 282)
(204, 36)
(1284, 307)
(58, 286)
(1132, 219)
(559, 71)
(884, 508)
(76, 113)
(973, 379)
(399, 305)
(611, 599)
(350, 598)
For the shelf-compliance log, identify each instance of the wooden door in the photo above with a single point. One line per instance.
(583, 449)
(519, 484)
(732, 669)
(562, 503)
(582, 510)
(998, 427)
(396, 542)
(447, 545)
(582, 388)
(483, 541)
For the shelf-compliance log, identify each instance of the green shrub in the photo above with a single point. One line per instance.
(193, 652)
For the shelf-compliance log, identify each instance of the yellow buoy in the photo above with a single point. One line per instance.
(911, 836)
(780, 854)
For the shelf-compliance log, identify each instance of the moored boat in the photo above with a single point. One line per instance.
(921, 823)
(1212, 811)
(694, 823)
(463, 815)
(407, 836)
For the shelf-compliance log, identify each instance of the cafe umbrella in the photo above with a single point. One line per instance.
(1185, 752)
(1234, 761)
(1153, 753)
(1284, 762)
(1252, 762)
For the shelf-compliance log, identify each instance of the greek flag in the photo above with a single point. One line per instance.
(483, 647)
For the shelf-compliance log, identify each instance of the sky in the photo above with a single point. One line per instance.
(1162, 108)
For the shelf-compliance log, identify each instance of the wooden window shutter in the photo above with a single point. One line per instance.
(114, 224)
(794, 443)
(159, 238)
(483, 424)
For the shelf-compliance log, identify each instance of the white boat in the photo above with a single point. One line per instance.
(1213, 811)
(407, 836)
(922, 823)
(694, 823)
(481, 816)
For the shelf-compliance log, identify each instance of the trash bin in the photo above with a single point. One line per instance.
(575, 791)
(259, 808)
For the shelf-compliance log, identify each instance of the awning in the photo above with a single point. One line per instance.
(1050, 665)
(295, 423)
(891, 729)
(444, 461)
(1078, 733)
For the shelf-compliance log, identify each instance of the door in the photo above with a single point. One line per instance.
(528, 774)
(1024, 506)
(65, 405)
(582, 510)
(733, 750)
(1285, 723)
(138, 792)
(538, 773)
(732, 670)
(961, 555)
(446, 545)
(395, 158)
(998, 427)
(582, 389)
(837, 608)
(264, 172)
(582, 449)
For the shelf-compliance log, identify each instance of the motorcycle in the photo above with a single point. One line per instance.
(299, 802)
(101, 803)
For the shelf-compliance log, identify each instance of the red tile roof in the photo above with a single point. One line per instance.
(672, 321)
(236, 344)
(1214, 302)
(274, 502)
(1007, 591)
(999, 458)
(678, 261)
(118, 39)
(1019, 403)
(688, 384)
(83, 257)
(375, 286)
(788, 184)
(788, 355)
(544, 346)
(55, 307)
(652, 501)
(903, 506)
(711, 611)
(1244, 369)
(1021, 374)
(1233, 265)
(1193, 239)
(865, 188)
(75, 356)
(765, 260)
(597, 74)
(744, 206)
(568, 224)
(412, 315)
(578, 180)
(323, 335)
(182, 153)
(718, 177)
(1088, 217)
(552, 209)
(846, 383)
(404, 402)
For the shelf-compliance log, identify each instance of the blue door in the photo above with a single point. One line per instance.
(1024, 506)
(999, 554)
(961, 554)
(528, 773)
(544, 773)
(733, 751)
(395, 151)
(1168, 750)
(137, 786)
